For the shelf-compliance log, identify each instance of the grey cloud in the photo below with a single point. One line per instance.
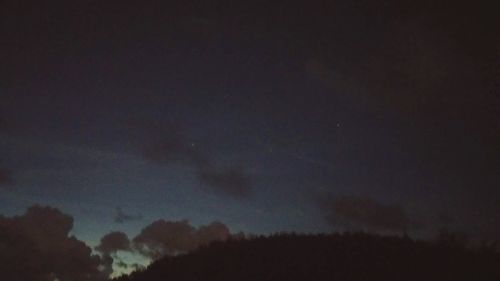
(165, 238)
(216, 231)
(162, 237)
(122, 264)
(231, 181)
(37, 246)
(113, 242)
(5, 177)
(106, 264)
(137, 266)
(109, 245)
(317, 69)
(445, 219)
(122, 217)
(5, 174)
(165, 143)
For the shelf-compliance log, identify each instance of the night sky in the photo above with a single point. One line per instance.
(265, 116)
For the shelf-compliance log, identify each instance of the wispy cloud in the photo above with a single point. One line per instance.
(122, 217)
(166, 143)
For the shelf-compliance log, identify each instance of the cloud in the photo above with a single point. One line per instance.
(5, 174)
(445, 219)
(2, 124)
(121, 217)
(231, 181)
(5, 177)
(159, 239)
(165, 238)
(318, 70)
(136, 266)
(413, 66)
(106, 265)
(365, 213)
(162, 237)
(171, 147)
(216, 231)
(203, 27)
(37, 246)
(113, 242)
(109, 245)
(165, 143)
(122, 264)
(5, 126)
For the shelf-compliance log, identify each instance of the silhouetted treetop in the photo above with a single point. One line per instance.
(354, 256)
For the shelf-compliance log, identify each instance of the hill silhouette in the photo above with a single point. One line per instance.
(339, 257)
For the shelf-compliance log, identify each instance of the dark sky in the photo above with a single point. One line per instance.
(265, 115)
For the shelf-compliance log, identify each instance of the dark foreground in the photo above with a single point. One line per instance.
(356, 257)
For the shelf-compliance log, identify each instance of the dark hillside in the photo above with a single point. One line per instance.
(326, 257)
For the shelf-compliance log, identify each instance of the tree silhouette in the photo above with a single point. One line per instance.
(339, 257)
